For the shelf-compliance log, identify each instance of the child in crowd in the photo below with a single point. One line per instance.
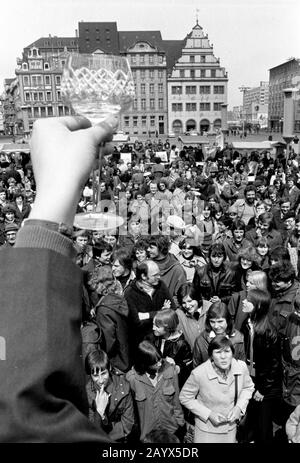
(110, 402)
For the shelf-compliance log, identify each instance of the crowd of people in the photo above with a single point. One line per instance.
(190, 310)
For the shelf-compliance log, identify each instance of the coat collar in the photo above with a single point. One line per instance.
(235, 370)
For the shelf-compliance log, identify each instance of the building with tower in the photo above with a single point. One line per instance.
(197, 86)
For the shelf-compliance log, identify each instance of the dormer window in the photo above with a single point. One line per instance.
(46, 66)
(25, 66)
(34, 52)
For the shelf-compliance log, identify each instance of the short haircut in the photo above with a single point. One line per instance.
(146, 356)
(100, 247)
(266, 218)
(280, 254)
(123, 255)
(162, 242)
(291, 177)
(220, 341)
(238, 224)
(282, 271)
(249, 253)
(96, 361)
(217, 249)
(9, 208)
(219, 310)
(284, 199)
(226, 221)
(262, 241)
(168, 319)
(186, 289)
(272, 189)
(142, 243)
(249, 188)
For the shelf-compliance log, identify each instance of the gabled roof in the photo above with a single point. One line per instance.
(173, 50)
(128, 39)
(54, 42)
(9, 81)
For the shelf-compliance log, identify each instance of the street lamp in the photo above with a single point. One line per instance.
(287, 139)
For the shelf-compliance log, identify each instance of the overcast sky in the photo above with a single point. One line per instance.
(249, 36)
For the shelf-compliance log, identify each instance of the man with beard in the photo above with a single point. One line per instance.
(265, 228)
(246, 207)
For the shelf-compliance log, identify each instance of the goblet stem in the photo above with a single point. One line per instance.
(97, 195)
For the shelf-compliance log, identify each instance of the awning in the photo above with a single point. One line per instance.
(194, 140)
(253, 145)
(120, 138)
(15, 148)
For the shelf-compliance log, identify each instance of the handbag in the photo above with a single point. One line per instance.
(244, 426)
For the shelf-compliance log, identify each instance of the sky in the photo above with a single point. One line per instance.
(249, 36)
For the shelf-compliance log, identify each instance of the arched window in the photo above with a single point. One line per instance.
(204, 125)
(217, 124)
(190, 125)
(177, 126)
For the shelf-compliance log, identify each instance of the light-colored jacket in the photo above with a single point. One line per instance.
(205, 391)
(292, 426)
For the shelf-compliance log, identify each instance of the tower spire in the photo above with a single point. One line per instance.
(197, 18)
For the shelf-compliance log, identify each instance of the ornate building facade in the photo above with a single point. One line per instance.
(197, 87)
(285, 75)
(39, 76)
(180, 85)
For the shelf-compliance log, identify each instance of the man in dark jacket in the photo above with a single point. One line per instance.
(112, 317)
(285, 287)
(291, 360)
(145, 296)
(265, 228)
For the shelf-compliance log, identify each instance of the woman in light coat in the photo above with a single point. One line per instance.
(214, 396)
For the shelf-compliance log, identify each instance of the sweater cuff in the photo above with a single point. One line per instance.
(33, 236)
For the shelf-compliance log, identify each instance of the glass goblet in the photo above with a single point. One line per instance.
(96, 86)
